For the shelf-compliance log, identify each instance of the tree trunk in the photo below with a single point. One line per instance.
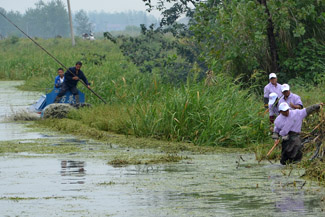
(271, 39)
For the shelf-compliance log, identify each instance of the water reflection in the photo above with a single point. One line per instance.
(73, 172)
(291, 204)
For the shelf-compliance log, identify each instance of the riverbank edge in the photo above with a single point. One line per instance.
(73, 127)
(129, 141)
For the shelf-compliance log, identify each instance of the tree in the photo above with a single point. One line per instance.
(47, 19)
(172, 13)
(82, 22)
(271, 39)
(6, 29)
(246, 37)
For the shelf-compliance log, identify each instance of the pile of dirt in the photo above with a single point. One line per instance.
(57, 110)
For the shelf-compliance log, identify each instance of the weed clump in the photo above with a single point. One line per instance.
(57, 110)
(315, 169)
(23, 115)
(124, 160)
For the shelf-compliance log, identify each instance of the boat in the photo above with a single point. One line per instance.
(49, 97)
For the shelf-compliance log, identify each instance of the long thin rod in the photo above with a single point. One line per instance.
(53, 57)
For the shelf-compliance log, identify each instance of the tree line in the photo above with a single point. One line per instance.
(247, 39)
(48, 20)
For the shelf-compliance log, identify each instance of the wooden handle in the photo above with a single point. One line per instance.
(275, 144)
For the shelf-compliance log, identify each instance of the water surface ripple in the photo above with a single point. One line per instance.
(204, 185)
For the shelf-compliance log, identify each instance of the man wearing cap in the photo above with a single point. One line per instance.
(272, 87)
(273, 106)
(288, 126)
(293, 100)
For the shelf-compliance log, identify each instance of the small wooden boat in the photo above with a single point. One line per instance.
(49, 98)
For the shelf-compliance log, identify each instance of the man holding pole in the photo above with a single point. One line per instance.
(71, 78)
(288, 126)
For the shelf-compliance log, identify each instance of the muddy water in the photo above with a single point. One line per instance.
(78, 184)
(13, 100)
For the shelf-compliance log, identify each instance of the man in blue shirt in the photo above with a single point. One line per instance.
(71, 81)
(59, 79)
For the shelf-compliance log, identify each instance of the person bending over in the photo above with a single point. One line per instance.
(288, 126)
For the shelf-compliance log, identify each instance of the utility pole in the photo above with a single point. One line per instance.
(71, 27)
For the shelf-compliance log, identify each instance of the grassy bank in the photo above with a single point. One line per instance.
(140, 105)
(103, 64)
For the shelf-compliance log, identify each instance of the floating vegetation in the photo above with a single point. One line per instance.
(106, 183)
(17, 199)
(125, 160)
(38, 147)
(89, 131)
(315, 169)
(22, 115)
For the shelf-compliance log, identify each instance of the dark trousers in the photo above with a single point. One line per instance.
(65, 88)
(272, 119)
(291, 149)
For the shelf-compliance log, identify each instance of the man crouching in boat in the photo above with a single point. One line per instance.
(288, 125)
(71, 81)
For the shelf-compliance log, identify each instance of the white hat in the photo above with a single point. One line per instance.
(272, 75)
(285, 87)
(284, 106)
(272, 98)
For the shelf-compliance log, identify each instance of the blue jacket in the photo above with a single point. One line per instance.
(57, 83)
(68, 77)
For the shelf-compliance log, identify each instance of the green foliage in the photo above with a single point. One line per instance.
(234, 39)
(232, 36)
(156, 52)
(308, 63)
(104, 65)
(172, 11)
(217, 115)
(141, 104)
(110, 37)
(14, 39)
(93, 58)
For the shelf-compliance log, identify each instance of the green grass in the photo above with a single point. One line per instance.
(222, 114)
(25, 61)
(140, 105)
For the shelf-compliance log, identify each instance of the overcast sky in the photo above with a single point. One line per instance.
(87, 5)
